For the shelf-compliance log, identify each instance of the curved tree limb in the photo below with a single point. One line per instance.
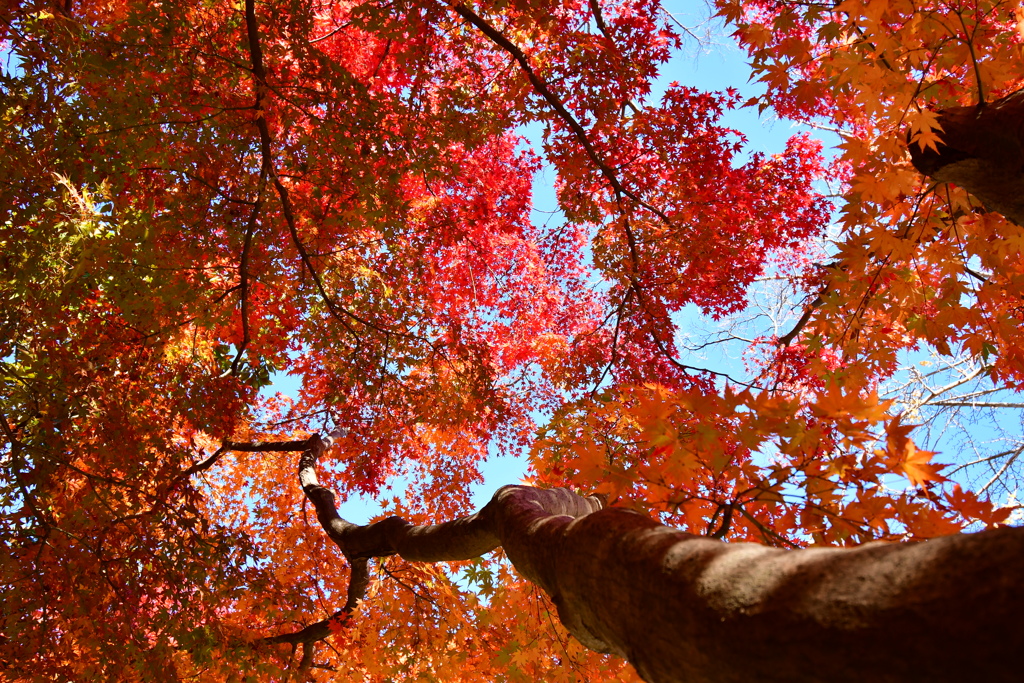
(681, 607)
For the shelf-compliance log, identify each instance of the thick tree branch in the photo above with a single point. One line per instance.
(689, 608)
(787, 338)
(461, 539)
(982, 151)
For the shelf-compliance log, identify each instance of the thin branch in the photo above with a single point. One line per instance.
(968, 39)
(1002, 470)
(202, 181)
(970, 404)
(680, 24)
(975, 274)
(987, 458)
(691, 368)
(766, 533)
(542, 88)
(243, 265)
(785, 339)
(259, 72)
(261, 446)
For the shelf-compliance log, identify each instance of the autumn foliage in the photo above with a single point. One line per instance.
(195, 196)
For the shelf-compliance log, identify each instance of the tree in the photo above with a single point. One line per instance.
(198, 195)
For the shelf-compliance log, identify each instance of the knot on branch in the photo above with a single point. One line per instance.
(981, 150)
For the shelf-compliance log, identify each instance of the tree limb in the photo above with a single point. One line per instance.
(681, 607)
(982, 151)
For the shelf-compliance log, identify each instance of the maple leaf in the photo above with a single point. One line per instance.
(338, 623)
(922, 130)
(837, 402)
(917, 466)
(203, 198)
(897, 435)
(972, 508)
(903, 454)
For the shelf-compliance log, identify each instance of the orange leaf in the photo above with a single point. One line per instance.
(917, 467)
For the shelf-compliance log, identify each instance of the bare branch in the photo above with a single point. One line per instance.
(787, 338)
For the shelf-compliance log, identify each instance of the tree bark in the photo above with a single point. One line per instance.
(688, 608)
(982, 151)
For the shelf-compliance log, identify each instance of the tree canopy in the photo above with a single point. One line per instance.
(199, 196)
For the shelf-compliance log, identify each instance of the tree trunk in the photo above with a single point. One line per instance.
(689, 608)
(982, 151)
